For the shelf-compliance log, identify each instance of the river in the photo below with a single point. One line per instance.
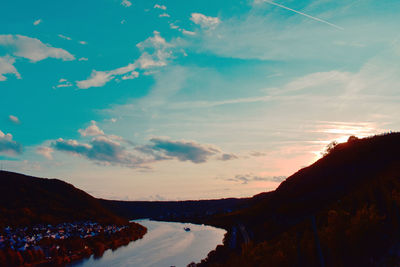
(165, 244)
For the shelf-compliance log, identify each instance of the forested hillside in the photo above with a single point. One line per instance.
(343, 210)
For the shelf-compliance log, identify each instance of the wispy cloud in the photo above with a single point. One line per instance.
(208, 104)
(181, 150)
(46, 152)
(160, 7)
(264, 33)
(91, 130)
(70, 39)
(62, 83)
(126, 3)
(227, 156)
(37, 22)
(14, 119)
(100, 78)
(7, 67)
(65, 37)
(258, 154)
(188, 32)
(248, 178)
(101, 150)
(205, 21)
(32, 48)
(303, 14)
(155, 52)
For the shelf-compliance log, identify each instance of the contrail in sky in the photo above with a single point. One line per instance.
(301, 13)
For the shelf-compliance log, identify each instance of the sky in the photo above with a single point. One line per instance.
(175, 100)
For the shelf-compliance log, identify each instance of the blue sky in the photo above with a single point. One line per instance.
(187, 100)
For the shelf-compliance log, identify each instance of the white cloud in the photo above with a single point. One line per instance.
(91, 130)
(14, 119)
(65, 37)
(188, 32)
(46, 152)
(63, 83)
(164, 15)
(204, 21)
(126, 3)
(83, 59)
(96, 79)
(32, 48)
(100, 78)
(37, 22)
(101, 150)
(160, 7)
(8, 146)
(69, 39)
(160, 51)
(156, 41)
(147, 61)
(132, 75)
(173, 26)
(7, 67)
(155, 53)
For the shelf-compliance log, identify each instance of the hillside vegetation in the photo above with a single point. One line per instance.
(343, 210)
(27, 200)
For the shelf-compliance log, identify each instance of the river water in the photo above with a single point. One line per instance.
(165, 244)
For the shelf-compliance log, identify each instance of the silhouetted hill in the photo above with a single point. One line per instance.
(26, 200)
(343, 210)
(184, 211)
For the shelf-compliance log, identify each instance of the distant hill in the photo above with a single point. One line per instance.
(183, 211)
(343, 210)
(26, 200)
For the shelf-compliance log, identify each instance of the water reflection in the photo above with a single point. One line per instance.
(165, 244)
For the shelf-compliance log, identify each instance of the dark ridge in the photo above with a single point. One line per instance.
(27, 200)
(195, 211)
(343, 210)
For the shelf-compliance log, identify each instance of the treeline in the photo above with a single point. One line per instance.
(26, 200)
(195, 211)
(360, 229)
(51, 252)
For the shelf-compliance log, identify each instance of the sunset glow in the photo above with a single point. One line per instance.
(201, 99)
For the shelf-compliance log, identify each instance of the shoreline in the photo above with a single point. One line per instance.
(53, 252)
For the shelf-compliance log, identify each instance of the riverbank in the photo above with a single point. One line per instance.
(165, 244)
(60, 252)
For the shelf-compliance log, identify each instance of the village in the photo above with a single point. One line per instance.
(21, 239)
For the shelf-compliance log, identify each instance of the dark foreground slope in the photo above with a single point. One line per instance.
(343, 210)
(52, 223)
(27, 200)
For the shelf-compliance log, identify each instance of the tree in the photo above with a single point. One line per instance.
(329, 148)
